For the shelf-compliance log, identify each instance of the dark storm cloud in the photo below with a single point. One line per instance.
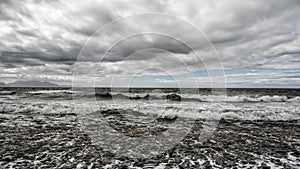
(136, 43)
(30, 33)
(20, 57)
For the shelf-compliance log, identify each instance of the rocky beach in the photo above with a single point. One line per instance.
(57, 141)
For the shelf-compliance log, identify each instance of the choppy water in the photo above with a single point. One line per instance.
(254, 127)
(250, 104)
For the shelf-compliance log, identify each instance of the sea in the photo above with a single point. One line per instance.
(149, 128)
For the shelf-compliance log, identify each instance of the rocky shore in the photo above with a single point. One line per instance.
(58, 141)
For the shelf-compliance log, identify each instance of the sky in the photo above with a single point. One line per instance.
(151, 43)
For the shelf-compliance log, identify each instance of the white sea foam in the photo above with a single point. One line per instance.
(294, 99)
(262, 111)
(35, 108)
(6, 92)
(50, 91)
(239, 98)
(242, 111)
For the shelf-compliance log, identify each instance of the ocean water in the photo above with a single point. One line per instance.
(205, 127)
(245, 104)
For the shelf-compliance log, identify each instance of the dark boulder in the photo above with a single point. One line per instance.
(105, 95)
(174, 97)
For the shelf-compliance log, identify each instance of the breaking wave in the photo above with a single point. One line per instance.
(165, 103)
(259, 111)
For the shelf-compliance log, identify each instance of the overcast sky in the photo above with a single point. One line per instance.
(195, 43)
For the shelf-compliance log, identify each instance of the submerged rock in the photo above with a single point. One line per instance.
(105, 95)
(174, 97)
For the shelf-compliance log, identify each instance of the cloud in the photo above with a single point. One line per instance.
(40, 38)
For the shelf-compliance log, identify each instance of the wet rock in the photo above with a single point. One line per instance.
(252, 162)
(207, 165)
(264, 166)
(173, 97)
(124, 167)
(104, 95)
(296, 154)
(139, 164)
(8, 158)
